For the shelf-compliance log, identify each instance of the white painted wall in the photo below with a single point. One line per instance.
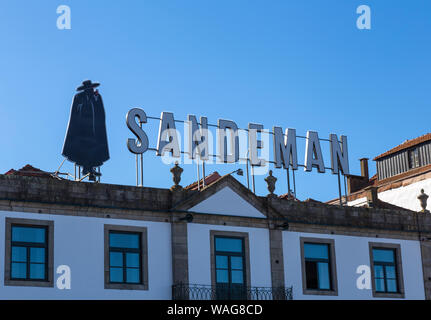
(200, 253)
(407, 197)
(227, 202)
(79, 243)
(358, 202)
(351, 252)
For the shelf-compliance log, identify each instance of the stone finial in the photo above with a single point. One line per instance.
(176, 173)
(270, 180)
(423, 197)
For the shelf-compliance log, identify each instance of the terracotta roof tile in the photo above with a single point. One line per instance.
(405, 145)
(29, 171)
(213, 177)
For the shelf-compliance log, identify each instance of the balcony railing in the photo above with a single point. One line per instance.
(229, 292)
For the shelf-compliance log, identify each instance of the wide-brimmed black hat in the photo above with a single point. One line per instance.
(87, 84)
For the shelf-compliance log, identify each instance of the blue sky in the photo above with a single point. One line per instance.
(300, 64)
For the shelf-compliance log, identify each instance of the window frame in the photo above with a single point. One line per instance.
(124, 252)
(229, 255)
(49, 252)
(246, 254)
(142, 231)
(398, 269)
(332, 263)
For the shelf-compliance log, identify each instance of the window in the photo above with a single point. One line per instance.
(29, 252)
(230, 260)
(318, 266)
(414, 161)
(126, 258)
(386, 269)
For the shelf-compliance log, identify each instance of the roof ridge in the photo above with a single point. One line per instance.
(406, 144)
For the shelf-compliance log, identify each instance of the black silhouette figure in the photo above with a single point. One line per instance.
(86, 143)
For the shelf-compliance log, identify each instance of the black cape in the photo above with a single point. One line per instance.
(86, 143)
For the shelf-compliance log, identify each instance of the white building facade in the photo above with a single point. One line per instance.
(72, 240)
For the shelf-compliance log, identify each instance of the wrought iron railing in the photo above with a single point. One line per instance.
(229, 292)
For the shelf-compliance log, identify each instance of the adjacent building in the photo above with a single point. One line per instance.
(402, 172)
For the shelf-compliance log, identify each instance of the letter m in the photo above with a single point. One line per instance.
(285, 148)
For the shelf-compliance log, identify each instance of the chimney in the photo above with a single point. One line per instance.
(364, 168)
(371, 194)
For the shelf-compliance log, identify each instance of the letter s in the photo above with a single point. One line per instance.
(132, 144)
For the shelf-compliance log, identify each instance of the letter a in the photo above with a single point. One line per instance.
(364, 20)
(64, 21)
(364, 280)
(64, 280)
